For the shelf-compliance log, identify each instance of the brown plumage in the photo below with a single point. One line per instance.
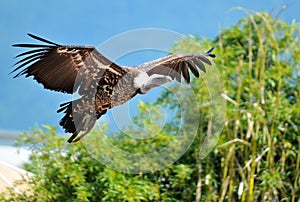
(101, 83)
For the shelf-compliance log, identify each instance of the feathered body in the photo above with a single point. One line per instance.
(101, 83)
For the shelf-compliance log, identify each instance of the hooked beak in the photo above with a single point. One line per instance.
(156, 81)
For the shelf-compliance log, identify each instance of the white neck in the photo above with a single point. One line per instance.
(146, 83)
(141, 80)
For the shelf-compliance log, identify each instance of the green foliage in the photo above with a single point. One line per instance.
(258, 154)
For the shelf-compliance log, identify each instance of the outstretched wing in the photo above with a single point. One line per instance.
(64, 68)
(179, 65)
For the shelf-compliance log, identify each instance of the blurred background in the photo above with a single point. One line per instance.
(24, 104)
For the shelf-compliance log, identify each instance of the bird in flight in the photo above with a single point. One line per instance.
(101, 83)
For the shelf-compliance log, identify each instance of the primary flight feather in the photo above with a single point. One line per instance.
(101, 83)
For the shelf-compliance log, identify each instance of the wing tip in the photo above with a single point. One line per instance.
(210, 54)
(16, 45)
(31, 35)
(36, 45)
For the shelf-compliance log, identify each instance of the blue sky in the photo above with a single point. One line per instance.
(23, 102)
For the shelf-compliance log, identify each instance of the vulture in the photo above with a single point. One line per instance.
(100, 83)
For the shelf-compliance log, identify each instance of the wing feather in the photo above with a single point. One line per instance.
(179, 65)
(185, 71)
(199, 64)
(193, 68)
(29, 52)
(31, 56)
(63, 68)
(42, 40)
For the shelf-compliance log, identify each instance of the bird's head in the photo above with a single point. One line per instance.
(154, 81)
